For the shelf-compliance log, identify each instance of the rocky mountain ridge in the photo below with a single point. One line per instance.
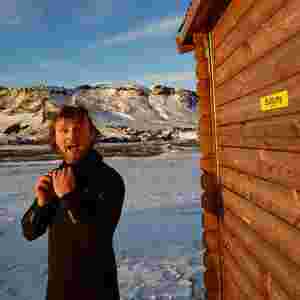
(129, 112)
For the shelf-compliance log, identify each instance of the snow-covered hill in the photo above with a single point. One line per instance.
(27, 111)
(158, 106)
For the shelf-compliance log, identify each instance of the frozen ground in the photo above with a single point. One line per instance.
(156, 242)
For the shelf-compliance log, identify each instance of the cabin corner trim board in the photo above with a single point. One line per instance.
(211, 67)
(211, 200)
(210, 53)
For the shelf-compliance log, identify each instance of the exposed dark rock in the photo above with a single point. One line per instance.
(84, 87)
(15, 128)
(162, 90)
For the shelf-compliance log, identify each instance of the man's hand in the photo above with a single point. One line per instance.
(43, 190)
(63, 181)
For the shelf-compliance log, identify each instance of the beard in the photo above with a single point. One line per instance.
(74, 155)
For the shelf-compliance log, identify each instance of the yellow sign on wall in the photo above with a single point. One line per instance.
(276, 100)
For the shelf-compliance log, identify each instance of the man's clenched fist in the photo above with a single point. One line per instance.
(44, 190)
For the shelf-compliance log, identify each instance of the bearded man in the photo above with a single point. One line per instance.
(81, 203)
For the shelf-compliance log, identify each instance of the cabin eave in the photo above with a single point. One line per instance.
(201, 16)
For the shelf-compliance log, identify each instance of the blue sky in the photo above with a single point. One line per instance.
(68, 43)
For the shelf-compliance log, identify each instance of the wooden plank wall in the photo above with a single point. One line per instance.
(257, 53)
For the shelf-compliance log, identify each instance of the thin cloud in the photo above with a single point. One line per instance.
(160, 27)
(56, 64)
(6, 79)
(17, 12)
(170, 77)
(9, 12)
(91, 12)
(16, 20)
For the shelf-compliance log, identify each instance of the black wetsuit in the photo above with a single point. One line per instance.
(81, 259)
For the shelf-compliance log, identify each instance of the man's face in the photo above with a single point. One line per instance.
(73, 138)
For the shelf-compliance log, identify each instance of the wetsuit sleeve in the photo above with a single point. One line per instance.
(36, 219)
(113, 199)
(103, 200)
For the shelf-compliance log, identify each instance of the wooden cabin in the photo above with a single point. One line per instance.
(247, 56)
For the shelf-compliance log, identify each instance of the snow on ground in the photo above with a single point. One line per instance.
(158, 234)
